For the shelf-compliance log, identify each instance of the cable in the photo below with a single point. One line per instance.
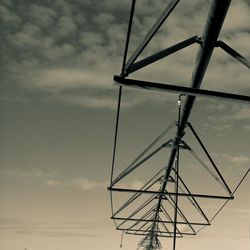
(120, 88)
(121, 239)
(204, 165)
(177, 176)
(152, 144)
(131, 166)
(232, 194)
(116, 132)
(242, 179)
(128, 36)
(112, 207)
(114, 149)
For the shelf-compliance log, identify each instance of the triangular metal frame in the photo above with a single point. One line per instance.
(150, 223)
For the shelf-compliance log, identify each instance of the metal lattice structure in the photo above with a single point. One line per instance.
(160, 213)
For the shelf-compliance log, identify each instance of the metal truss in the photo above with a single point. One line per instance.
(160, 214)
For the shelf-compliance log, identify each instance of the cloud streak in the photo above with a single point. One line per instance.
(83, 229)
(59, 47)
(239, 159)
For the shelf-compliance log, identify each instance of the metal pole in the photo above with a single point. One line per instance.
(177, 178)
(216, 16)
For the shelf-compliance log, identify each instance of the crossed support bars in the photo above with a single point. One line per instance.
(132, 67)
(147, 224)
(207, 42)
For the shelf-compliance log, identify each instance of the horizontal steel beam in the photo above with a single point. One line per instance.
(170, 193)
(155, 235)
(162, 221)
(146, 231)
(121, 81)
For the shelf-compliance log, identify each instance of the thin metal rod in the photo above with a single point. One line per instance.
(121, 239)
(146, 150)
(161, 54)
(116, 133)
(234, 53)
(151, 145)
(191, 92)
(135, 196)
(138, 209)
(232, 194)
(242, 179)
(193, 200)
(114, 147)
(177, 177)
(131, 168)
(163, 221)
(144, 217)
(134, 230)
(209, 157)
(149, 213)
(142, 206)
(147, 229)
(170, 193)
(169, 217)
(180, 212)
(128, 35)
(156, 235)
(205, 166)
(152, 32)
(164, 226)
(171, 221)
(112, 207)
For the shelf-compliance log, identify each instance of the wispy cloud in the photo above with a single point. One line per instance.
(238, 17)
(61, 79)
(241, 114)
(136, 184)
(27, 173)
(61, 234)
(62, 47)
(53, 179)
(246, 126)
(86, 184)
(70, 229)
(79, 182)
(237, 159)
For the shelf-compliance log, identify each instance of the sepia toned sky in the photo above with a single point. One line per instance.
(58, 108)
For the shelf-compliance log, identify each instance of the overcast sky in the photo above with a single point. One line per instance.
(58, 108)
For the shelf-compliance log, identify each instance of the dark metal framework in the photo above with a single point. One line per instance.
(160, 214)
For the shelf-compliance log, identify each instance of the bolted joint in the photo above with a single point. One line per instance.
(199, 40)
